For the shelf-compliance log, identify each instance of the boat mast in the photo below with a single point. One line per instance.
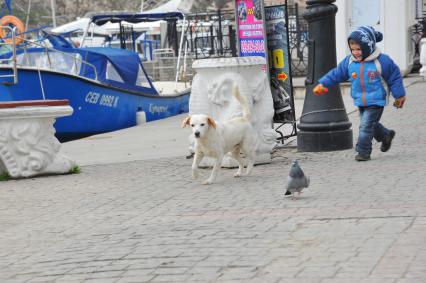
(180, 48)
(53, 7)
(141, 6)
(28, 17)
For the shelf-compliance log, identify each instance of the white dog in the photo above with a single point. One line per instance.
(216, 139)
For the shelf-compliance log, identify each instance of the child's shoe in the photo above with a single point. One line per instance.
(360, 157)
(386, 144)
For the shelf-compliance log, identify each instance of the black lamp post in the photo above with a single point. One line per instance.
(324, 124)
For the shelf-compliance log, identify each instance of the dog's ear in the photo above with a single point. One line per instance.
(186, 121)
(211, 122)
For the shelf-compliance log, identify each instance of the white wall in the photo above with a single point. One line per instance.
(396, 16)
(342, 29)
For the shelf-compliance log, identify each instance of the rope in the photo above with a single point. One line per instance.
(321, 111)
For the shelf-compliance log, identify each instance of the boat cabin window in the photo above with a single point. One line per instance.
(142, 80)
(112, 74)
(61, 62)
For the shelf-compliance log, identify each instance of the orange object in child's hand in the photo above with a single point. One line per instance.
(399, 103)
(320, 89)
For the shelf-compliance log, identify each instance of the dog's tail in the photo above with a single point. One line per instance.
(243, 101)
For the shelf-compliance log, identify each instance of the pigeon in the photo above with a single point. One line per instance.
(296, 180)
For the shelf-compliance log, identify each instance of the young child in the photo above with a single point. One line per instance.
(371, 73)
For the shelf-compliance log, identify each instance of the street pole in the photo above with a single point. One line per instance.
(324, 123)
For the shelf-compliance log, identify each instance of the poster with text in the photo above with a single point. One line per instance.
(277, 42)
(250, 27)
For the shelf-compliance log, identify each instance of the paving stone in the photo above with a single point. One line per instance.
(148, 221)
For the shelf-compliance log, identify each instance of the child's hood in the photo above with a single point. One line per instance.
(367, 38)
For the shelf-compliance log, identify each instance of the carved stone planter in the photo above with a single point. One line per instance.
(28, 146)
(211, 94)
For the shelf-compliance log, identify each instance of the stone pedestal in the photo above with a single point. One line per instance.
(211, 94)
(28, 146)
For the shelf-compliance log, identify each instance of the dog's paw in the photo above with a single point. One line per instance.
(239, 172)
(194, 174)
(248, 170)
(208, 182)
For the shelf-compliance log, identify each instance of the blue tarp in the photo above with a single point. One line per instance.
(57, 40)
(126, 63)
(6, 5)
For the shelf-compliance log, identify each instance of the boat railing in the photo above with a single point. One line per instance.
(78, 63)
(164, 63)
(11, 60)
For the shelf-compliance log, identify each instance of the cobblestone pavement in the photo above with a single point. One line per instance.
(147, 221)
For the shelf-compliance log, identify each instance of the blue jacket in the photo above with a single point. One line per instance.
(366, 79)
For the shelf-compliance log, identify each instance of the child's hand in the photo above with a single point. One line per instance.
(399, 102)
(320, 90)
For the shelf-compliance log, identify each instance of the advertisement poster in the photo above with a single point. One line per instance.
(250, 27)
(278, 52)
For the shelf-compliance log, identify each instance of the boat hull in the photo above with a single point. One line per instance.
(98, 108)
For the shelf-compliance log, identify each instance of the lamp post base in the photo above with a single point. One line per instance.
(324, 141)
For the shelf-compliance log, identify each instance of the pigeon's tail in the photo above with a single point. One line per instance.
(287, 193)
(308, 181)
(243, 101)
